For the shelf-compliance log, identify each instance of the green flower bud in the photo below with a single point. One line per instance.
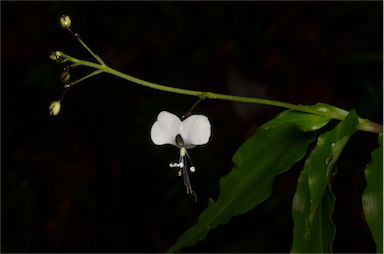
(54, 108)
(65, 76)
(52, 56)
(57, 56)
(65, 22)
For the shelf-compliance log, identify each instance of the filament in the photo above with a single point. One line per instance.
(187, 182)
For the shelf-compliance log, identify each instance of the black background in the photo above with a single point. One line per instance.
(90, 179)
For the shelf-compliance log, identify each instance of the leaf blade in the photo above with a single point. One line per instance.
(372, 198)
(304, 121)
(254, 166)
(313, 202)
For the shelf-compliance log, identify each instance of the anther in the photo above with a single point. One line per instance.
(176, 165)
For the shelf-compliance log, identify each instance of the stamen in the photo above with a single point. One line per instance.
(184, 168)
(187, 182)
(192, 168)
(183, 151)
(176, 165)
(181, 159)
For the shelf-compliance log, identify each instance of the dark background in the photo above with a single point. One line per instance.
(90, 179)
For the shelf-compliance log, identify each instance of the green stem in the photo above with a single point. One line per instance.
(189, 112)
(338, 114)
(83, 78)
(207, 95)
(90, 51)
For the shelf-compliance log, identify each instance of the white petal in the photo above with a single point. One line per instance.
(195, 130)
(165, 129)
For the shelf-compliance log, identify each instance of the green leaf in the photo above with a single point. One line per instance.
(326, 109)
(373, 196)
(272, 150)
(322, 114)
(304, 121)
(313, 202)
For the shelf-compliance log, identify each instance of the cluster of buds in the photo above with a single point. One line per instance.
(185, 133)
(59, 57)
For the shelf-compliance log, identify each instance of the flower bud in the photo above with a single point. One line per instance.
(65, 76)
(65, 22)
(57, 56)
(54, 108)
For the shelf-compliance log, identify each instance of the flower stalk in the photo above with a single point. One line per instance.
(100, 67)
(364, 124)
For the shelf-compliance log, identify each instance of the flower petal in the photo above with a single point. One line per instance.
(195, 130)
(165, 129)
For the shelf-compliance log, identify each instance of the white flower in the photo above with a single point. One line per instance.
(194, 130)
